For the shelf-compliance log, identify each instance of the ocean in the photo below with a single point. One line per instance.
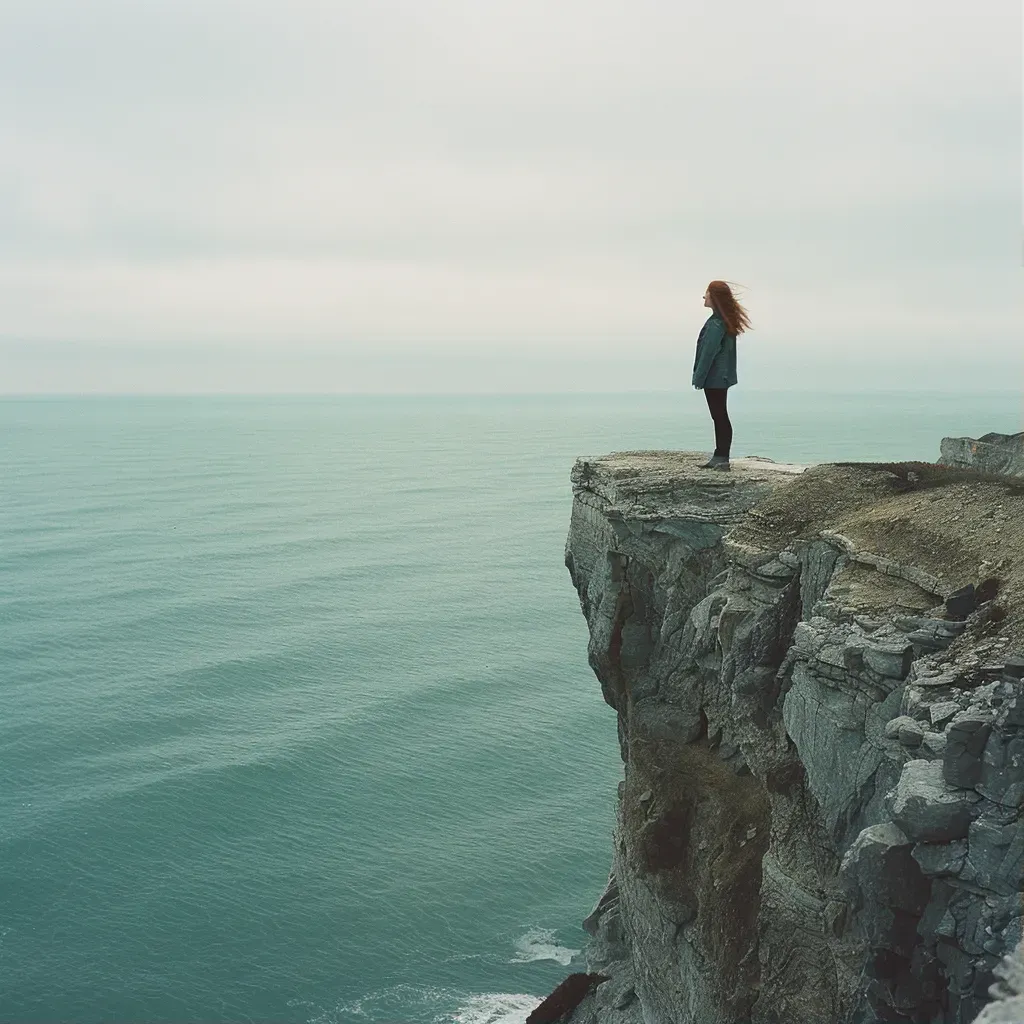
(297, 722)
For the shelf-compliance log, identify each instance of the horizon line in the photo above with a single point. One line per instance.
(492, 393)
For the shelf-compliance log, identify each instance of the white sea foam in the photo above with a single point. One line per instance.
(403, 1003)
(540, 944)
(493, 1008)
(392, 1005)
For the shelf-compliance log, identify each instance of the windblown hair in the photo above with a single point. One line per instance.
(726, 306)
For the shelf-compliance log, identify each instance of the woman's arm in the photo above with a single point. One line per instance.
(708, 347)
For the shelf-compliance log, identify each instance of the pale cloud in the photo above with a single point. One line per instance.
(544, 179)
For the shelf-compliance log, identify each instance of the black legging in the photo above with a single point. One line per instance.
(723, 428)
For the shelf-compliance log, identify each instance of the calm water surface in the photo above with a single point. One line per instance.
(297, 720)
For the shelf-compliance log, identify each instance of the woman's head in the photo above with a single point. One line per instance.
(720, 298)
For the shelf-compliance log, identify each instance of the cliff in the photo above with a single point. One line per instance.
(992, 453)
(817, 679)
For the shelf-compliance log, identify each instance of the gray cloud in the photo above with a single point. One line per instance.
(542, 179)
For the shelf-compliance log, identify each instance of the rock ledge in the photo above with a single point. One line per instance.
(817, 680)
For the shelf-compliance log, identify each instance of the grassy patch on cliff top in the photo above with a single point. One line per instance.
(957, 524)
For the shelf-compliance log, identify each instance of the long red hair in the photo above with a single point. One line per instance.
(725, 305)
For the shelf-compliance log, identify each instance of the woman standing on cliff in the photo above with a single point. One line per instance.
(714, 366)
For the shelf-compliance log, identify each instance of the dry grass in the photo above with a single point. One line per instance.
(957, 524)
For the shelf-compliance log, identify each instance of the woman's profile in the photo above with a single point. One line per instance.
(714, 365)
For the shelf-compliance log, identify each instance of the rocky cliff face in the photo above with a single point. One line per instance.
(991, 453)
(817, 677)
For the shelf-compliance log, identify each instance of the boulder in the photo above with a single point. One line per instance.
(965, 743)
(904, 726)
(880, 867)
(940, 859)
(926, 808)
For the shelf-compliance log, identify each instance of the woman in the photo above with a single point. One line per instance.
(714, 366)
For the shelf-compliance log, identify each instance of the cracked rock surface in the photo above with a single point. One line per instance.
(817, 677)
(992, 453)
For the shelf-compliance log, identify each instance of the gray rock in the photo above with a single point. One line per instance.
(990, 453)
(938, 627)
(961, 603)
(718, 626)
(902, 723)
(930, 640)
(1014, 714)
(943, 711)
(926, 808)
(891, 658)
(880, 865)
(958, 964)
(827, 724)
(937, 919)
(625, 997)
(1007, 991)
(940, 859)
(946, 677)
(911, 737)
(1006, 938)
(1002, 769)
(776, 569)
(608, 900)
(965, 742)
(995, 856)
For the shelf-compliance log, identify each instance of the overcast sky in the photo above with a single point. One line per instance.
(331, 195)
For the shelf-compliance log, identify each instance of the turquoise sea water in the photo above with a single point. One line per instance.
(297, 722)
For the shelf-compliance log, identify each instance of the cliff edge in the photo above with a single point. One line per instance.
(993, 453)
(817, 676)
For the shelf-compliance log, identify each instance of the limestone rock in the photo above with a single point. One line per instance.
(1001, 764)
(880, 862)
(938, 859)
(991, 453)
(965, 743)
(819, 818)
(942, 711)
(995, 854)
(909, 731)
(926, 807)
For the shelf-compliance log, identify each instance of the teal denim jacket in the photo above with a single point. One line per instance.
(714, 365)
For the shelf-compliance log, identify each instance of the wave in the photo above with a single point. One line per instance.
(540, 944)
(408, 1004)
